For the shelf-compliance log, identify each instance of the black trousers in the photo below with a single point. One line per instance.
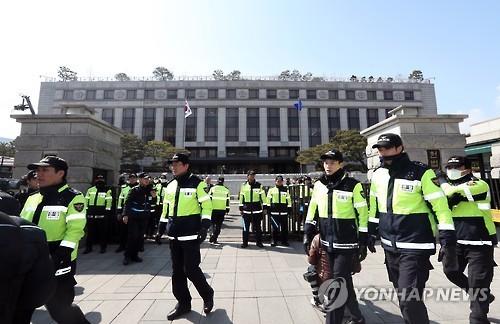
(479, 262)
(135, 239)
(279, 222)
(408, 274)
(123, 233)
(154, 218)
(217, 220)
(97, 232)
(186, 261)
(61, 306)
(256, 221)
(341, 267)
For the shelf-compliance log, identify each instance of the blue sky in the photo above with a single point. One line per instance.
(453, 42)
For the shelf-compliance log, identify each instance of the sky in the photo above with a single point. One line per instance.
(454, 43)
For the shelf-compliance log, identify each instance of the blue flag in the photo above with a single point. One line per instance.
(298, 105)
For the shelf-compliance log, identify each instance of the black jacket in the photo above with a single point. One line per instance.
(139, 202)
(27, 278)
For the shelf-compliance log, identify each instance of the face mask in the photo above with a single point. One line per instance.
(454, 174)
(389, 158)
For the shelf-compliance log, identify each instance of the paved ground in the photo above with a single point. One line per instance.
(251, 286)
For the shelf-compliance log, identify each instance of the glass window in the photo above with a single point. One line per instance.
(294, 94)
(131, 94)
(211, 124)
(271, 94)
(128, 120)
(273, 124)
(231, 94)
(371, 95)
(283, 151)
(232, 123)
(333, 94)
(350, 95)
(213, 93)
(68, 95)
(108, 115)
(190, 94)
(90, 95)
(409, 95)
(387, 95)
(148, 124)
(314, 127)
(253, 94)
(387, 115)
(191, 126)
(311, 94)
(149, 94)
(203, 152)
(372, 116)
(171, 94)
(253, 130)
(109, 94)
(169, 125)
(293, 124)
(333, 121)
(353, 119)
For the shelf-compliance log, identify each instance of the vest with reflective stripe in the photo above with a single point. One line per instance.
(220, 197)
(278, 200)
(252, 197)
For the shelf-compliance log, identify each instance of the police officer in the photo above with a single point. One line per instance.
(220, 202)
(10, 204)
(160, 193)
(60, 211)
(343, 212)
(137, 211)
(279, 208)
(469, 200)
(252, 198)
(132, 182)
(27, 278)
(189, 209)
(400, 193)
(99, 201)
(31, 186)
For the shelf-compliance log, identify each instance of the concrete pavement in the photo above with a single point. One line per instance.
(251, 285)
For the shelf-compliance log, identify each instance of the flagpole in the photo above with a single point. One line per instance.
(298, 106)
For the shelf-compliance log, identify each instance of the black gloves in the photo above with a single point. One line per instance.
(307, 242)
(162, 227)
(494, 239)
(448, 255)
(362, 252)
(441, 177)
(455, 199)
(62, 257)
(371, 243)
(202, 235)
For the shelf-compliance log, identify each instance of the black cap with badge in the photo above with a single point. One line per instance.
(334, 155)
(144, 175)
(179, 157)
(251, 172)
(388, 140)
(50, 161)
(458, 161)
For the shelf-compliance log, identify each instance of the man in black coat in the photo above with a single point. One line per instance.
(27, 278)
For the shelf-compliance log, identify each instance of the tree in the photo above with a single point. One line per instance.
(307, 77)
(284, 76)
(354, 78)
(132, 149)
(219, 75)
(350, 142)
(318, 79)
(66, 74)
(162, 74)
(295, 76)
(235, 75)
(161, 151)
(416, 75)
(7, 149)
(122, 77)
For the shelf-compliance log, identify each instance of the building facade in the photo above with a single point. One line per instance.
(243, 124)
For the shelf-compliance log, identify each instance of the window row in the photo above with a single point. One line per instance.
(243, 152)
(253, 127)
(252, 94)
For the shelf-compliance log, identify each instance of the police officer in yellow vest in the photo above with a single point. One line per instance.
(404, 205)
(99, 201)
(189, 210)
(220, 202)
(279, 209)
(469, 200)
(132, 182)
(60, 211)
(252, 198)
(340, 203)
